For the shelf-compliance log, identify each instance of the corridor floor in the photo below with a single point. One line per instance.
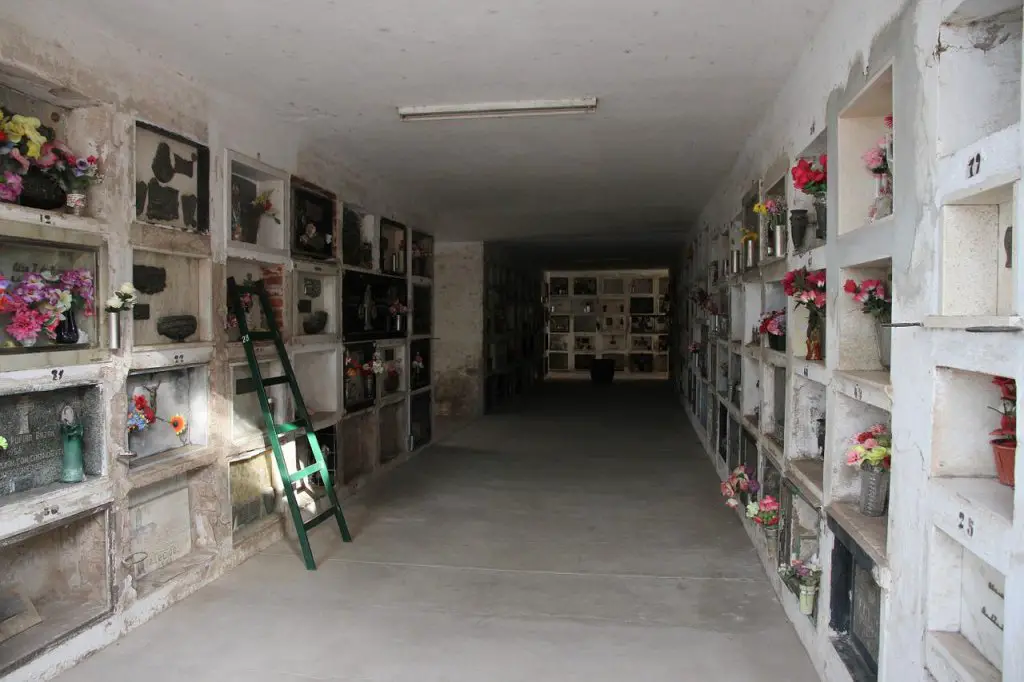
(578, 538)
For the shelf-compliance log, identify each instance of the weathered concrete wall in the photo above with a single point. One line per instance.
(459, 328)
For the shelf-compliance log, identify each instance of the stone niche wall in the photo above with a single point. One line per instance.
(459, 327)
(31, 424)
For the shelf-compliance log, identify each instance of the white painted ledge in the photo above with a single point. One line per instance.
(949, 657)
(814, 370)
(867, 245)
(1000, 166)
(33, 510)
(169, 356)
(871, 387)
(977, 513)
(32, 216)
(809, 477)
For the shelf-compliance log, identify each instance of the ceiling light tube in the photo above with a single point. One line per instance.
(539, 107)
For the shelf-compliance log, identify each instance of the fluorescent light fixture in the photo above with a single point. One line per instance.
(537, 107)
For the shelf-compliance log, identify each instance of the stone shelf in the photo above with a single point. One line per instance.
(869, 532)
(815, 370)
(32, 216)
(171, 464)
(178, 571)
(871, 387)
(868, 245)
(809, 477)
(324, 419)
(773, 357)
(1013, 323)
(162, 357)
(25, 511)
(1000, 154)
(949, 657)
(976, 512)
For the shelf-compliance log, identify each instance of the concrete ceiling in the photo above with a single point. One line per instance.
(680, 82)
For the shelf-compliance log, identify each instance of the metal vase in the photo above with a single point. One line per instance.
(114, 330)
(749, 253)
(874, 492)
(75, 203)
(808, 595)
(821, 211)
(884, 335)
(771, 536)
(779, 240)
(735, 261)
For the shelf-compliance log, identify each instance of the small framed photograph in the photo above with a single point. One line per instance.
(313, 221)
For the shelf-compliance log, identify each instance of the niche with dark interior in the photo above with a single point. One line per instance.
(364, 308)
(420, 419)
(419, 365)
(856, 607)
(421, 310)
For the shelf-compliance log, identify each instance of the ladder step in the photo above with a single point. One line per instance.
(274, 381)
(302, 473)
(262, 336)
(296, 425)
(243, 386)
(319, 518)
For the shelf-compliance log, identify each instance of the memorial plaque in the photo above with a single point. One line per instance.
(31, 424)
(160, 522)
(867, 609)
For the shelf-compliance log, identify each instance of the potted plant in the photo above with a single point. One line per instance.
(872, 452)
(739, 486)
(808, 289)
(773, 325)
(807, 575)
(765, 513)
(1004, 439)
(811, 178)
(876, 300)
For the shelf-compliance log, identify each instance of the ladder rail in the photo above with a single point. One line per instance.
(272, 429)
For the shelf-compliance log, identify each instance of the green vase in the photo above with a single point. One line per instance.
(74, 466)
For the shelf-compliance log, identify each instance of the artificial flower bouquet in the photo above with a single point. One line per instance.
(418, 364)
(123, 299)
(872, 449)
(874, 297)
(772, 208)
(807, 288)
(739, 484)
(398, 308)
(765, 512)
(811, 177)
(264, 206)
(805, 573)
(772, 323)
(41, 301)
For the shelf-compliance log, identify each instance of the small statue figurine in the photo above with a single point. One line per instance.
(71, 431)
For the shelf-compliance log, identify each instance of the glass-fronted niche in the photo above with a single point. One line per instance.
(167, 410)
(47, 296)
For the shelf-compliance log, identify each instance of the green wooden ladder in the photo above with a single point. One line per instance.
(257, 384)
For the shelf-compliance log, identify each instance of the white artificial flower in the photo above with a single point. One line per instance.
(128, 291)
(114, 302)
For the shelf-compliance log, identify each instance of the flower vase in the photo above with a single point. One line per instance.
(67, 329)
(749, 253)
(815, 340)
(114, 330)
(808, 595)
(1005, 453)
(370, 386)
(27, 343)
(771, 536)
(73, 470)
(736, 261)
(779, 239)
(821, 211)
(798, 222)
(874, 492)
(884, 334)
(75, 203)
(397, 322)
(777, 342)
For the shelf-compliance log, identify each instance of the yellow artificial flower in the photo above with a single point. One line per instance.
(25, 126)
(749, 235)
(760, 209)
(34, 149)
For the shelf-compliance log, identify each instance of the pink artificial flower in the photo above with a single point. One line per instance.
(881, 293)
(16, 154)
(878, 429)
(873, 158)
(10, 189)
(744, 484)
(26, 324)
(852, 458)
(769, 503)
(819, 300)
(871, 444)
(888, 121)
(727, 489)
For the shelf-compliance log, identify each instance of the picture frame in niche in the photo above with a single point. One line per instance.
(313, 221)
(172, 180)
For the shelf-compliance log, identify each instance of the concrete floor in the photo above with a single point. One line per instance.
(579, 538)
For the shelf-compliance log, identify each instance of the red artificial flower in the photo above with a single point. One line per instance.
(91, 159)
(850, 287)
(140, 402)
(3, 136)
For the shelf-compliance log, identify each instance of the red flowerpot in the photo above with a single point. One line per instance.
(1006, 459)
